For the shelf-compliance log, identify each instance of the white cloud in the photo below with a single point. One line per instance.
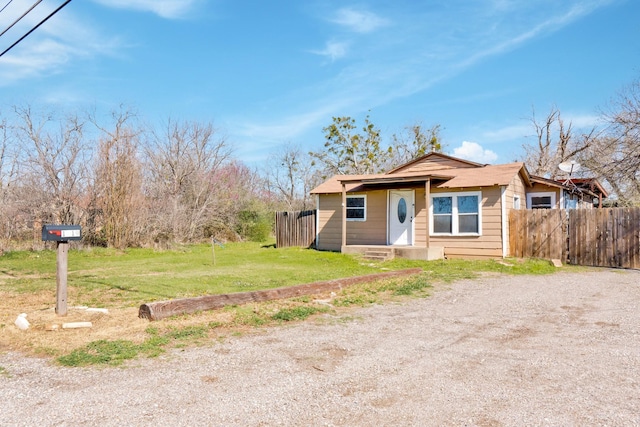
(474, 152)
(169, 9)
(333, 50)
(583, 121)
(509, 133)
(359, 21)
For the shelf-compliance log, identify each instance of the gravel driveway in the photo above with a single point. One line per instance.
(557, 350)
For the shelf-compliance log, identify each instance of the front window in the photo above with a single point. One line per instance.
(541, 200)
(442, 214)
(356, 208)
(456, 213)
(571, 202)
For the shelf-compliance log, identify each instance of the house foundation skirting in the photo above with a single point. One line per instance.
(408, 252)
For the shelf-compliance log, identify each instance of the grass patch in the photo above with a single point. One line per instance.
(116, 352)
(411, 286)
(101, 352)
(188, 333)
(297, 313)
(246, 316)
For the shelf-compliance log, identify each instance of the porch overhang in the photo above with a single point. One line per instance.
(393, 181)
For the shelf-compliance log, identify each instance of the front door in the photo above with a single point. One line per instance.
(401, 211)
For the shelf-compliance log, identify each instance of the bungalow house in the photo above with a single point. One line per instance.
(431, 207)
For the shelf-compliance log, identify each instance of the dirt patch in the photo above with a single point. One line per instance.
(498, 351)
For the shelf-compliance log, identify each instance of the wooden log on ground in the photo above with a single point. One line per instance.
(163, 309)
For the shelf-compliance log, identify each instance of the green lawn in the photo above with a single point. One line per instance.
(143, 275)
(121, 281)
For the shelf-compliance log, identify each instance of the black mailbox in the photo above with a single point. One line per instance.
(61, 233)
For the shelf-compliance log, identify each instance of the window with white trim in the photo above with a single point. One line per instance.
(357, 208)
(546, 200)
(516, 202)
(456, 214)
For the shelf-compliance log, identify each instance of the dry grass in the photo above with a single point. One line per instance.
(120, 323)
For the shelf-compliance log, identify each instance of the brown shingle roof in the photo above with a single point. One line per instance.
(486, 176)
(590, 186)
(483, 176)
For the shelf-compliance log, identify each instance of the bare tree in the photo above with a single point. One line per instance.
(181, 161)
(10, 223)
(55, 175)
(555, 143)
(117, 198)
(615, 151)
(289, 174)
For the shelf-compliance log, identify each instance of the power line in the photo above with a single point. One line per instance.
(36, 27)
(5, 6)
(22, 16)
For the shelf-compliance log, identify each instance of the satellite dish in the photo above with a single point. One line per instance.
(569, 167)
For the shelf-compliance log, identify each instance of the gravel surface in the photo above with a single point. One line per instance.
(557, 350)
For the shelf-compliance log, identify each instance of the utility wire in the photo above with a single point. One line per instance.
(5, 6)
(36, 27)
(22, 16)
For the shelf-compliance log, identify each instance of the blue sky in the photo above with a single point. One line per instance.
(266, 73)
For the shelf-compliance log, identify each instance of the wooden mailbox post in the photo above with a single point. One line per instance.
(61, 234)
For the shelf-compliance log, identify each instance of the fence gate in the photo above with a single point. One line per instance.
(605, 237)
(296, 228)
(538, 233)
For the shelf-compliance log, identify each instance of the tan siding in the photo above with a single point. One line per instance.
(515, 188)
(473, 254)
(373, 231)
(329, 222)
(489, 245)
(421, 221)
(433, 164)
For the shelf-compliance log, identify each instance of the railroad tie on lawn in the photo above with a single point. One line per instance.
(162, 309)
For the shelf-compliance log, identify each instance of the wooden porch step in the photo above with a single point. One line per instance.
(378, 254)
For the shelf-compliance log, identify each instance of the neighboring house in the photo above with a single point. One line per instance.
(433, 206)
(573, 193)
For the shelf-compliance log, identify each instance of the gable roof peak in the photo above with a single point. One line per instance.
(434, 156)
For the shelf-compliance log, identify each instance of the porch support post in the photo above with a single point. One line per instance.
(505, 221)
(427, 196)
(344, 216)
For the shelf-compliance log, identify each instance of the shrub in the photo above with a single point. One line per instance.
(254, 225)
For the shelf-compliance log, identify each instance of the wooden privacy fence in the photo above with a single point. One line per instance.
(296, 228)
(593, 237)
(538, 233)
(605, 237)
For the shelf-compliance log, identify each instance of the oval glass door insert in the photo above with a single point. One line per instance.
(402, 210)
